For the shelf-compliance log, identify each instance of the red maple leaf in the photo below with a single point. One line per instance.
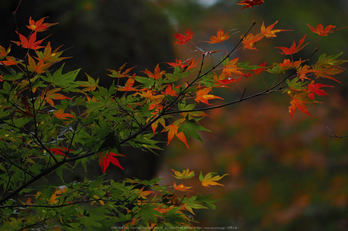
(183, 38)
(321, 31)
(60, 150)
(293, 49)
(299, 103)
(30, 43)
(315, 88)
(104, 161)
(250, 3)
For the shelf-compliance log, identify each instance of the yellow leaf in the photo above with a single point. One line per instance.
(210, 179)
(186, 174)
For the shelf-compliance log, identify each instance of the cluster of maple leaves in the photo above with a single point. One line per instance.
(160, 94)
(301, 91)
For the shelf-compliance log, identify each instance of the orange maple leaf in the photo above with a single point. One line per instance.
(172, 130)
(221, 36)
(30, 43)
(169, 91)
(154, 125)
(56, 194)
(293, 49)
(39, 67)
(181, 187)
(39, 26)
(210, 179)
(203, 96)
(119, 73)
(250, 3)
(321, 31)
(268, 32)
(250, 40)
(183, 38)
(128, 85)
(10, 61)
(51, 94)
(326, 73)
(4, 52)
(232, 67)
(303, 71)
(157, 74)
(61, 115)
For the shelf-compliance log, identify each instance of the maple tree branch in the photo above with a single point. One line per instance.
(334, 135)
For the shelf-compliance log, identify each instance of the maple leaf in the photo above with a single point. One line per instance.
(303, 71)
(177, 63)
(293, 49)
(39, 67)
(185, 174)
(61, 115)
(39, 26)
(30, 43)
(51, 94)
(315, 88)
(183, 38)
(169, 91)
(172, 130)
(221, 36)
(256, 71)
(157, 74)
(210, 179)
(191, 64)
(104, 161)
(49, 56)
(250, 3)
(299, 103)
(10, 61)
(128, 85)
(321, 31)
(154, 125)
(326, 73)
(152, 96)
(231, 67)
(250, 40)
(181, 187)
(60, 150)
(268, 32)
(4, 52)
(228, 81)
(56, 194)
(90, 85)
(119, 73)
(203, 96)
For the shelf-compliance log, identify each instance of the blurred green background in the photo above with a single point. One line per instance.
(283, 174)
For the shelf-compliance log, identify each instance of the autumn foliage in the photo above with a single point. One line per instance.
(50, 122)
